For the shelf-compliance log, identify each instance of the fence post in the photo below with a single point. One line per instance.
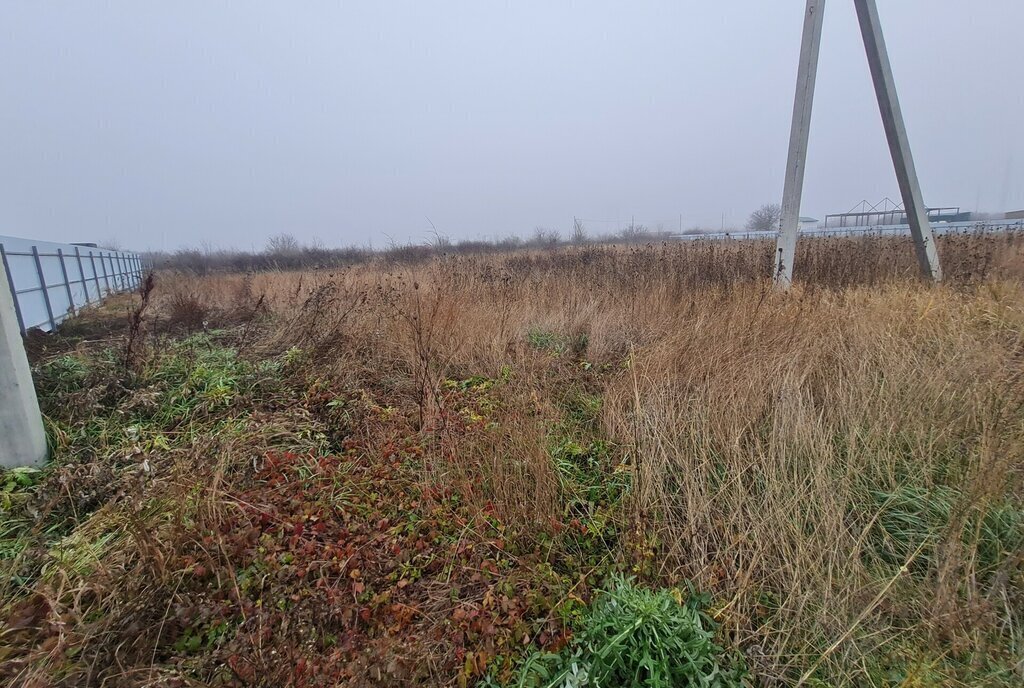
(95, 276)
(23, 439)
(67, 282)
(14, 293)
(42, 285)
(81, 273)
(106, 276)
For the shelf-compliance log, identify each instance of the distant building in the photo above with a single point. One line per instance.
(808, 223)
(1015, 215)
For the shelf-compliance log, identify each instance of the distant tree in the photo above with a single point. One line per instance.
(766, 218)
(192, 260)
(283, 245)
(543, 236)
(509, 243)
(579, 232)
(440, 242)
(660, 233)
(635, 234)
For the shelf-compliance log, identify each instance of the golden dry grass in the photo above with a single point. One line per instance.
(768, 436)
(840, 466)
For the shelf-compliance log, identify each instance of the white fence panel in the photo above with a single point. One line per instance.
(51, 281)
(939, 228)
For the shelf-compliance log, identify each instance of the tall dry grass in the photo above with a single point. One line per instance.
(840, 465)
(769, 441)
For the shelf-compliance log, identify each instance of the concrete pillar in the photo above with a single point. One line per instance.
(22, 438)
(807, 74)
(899, 143)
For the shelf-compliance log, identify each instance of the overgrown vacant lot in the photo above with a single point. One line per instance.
(586, 467)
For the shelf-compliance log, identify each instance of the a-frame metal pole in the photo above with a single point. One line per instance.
(896, 133)
(798, 136)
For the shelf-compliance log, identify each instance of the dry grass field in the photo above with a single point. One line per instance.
(591, 466)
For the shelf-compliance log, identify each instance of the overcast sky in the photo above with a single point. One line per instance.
(163, 124)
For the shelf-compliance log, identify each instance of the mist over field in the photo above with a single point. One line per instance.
(166, 125)
(474, 344)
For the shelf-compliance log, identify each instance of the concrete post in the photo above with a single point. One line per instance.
(22, 438)
(807, 74)
(899, 143)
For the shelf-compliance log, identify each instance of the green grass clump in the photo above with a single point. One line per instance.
(558, 344)
(912, 521)
(65, 374)
(631, 636)
(545, 340)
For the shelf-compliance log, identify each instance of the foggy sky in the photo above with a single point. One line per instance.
(163, 124)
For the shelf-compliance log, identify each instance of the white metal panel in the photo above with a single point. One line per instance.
(45, 292)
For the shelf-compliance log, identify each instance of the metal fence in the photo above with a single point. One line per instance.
(51, 281)
(940, 229)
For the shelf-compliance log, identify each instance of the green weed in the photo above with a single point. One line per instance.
(914, 520)
(631, 636)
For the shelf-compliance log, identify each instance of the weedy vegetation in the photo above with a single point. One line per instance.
(585, 466)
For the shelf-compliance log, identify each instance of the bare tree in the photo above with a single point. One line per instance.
(579, 232)
(509, 243)
(192, 260)
(283, 245)
(766, 218)
(441, 242)
(543, 236)
(635, 234)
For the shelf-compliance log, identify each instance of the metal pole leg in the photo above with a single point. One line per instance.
(896, 133)
(798, 136)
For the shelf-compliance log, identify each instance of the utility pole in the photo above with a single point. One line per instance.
(799, 134)
(895, 131)
(896, 134)
(22, 438)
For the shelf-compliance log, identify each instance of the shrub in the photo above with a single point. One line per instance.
(188, 310)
